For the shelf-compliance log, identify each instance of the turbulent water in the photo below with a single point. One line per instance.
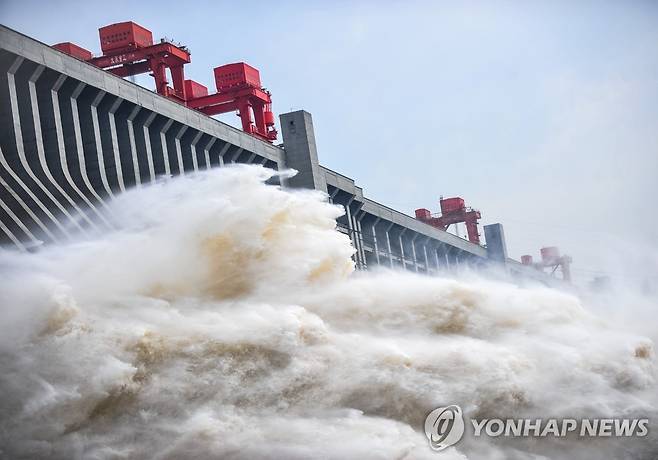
(222, 319)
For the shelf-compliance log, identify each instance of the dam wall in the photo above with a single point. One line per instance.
(74, 136)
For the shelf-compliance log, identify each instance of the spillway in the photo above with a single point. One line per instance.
(74, 137)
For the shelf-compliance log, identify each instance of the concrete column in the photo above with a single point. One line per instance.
(444, 255)
(206, 151)
(179, 153)
(388, 244)
(147, 142)
(351, 230)
(13, 238)
(222, 152)
(404, 263)
(236, 154)
(457, 261)
(115, 142)
(333, 194)
(133, 148)
(165, 149)
(358, 215)
(427, 264)
(301, 152)
(413, 251)
(496, 246)
(195, 162)
(374, 239)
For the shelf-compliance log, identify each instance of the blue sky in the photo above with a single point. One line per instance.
(543, 115)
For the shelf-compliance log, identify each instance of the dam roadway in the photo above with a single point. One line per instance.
(74, 136)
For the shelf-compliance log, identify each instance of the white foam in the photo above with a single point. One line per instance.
(224, 320)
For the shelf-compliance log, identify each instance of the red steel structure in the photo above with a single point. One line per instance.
(453, 211)
(238, 88)
(74, 50)
(526, 260)
(551, 258)
(128, 49)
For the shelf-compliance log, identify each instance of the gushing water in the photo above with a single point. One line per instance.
(224, 320)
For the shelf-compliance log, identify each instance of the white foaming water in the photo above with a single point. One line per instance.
(224, 320)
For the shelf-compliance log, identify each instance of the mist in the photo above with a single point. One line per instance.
(224, 318)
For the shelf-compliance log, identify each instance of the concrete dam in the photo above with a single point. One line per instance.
(169, 289)
(74, 136)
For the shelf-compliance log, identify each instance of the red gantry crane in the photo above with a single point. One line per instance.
(238, 88)
(453, 211)
(128, 49)
(551, 259)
